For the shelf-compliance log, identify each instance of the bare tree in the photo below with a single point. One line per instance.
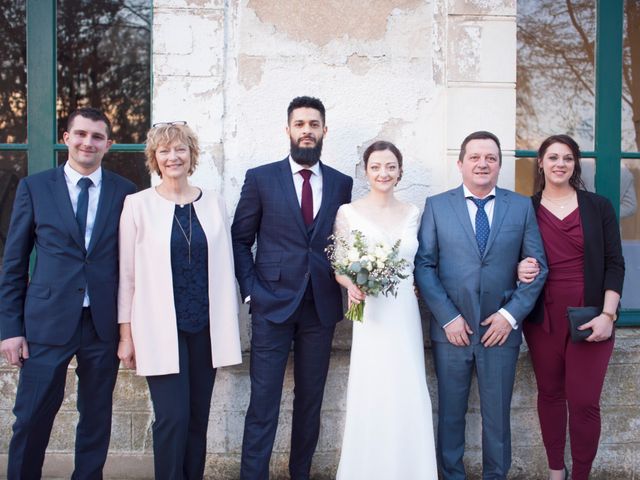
(555, 73)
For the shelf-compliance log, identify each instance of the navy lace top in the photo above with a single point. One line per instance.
(190, 271)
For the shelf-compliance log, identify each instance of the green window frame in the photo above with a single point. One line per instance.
(608, 114)
(42, 146)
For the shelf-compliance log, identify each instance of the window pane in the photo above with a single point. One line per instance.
(128, 164)
(630, 187)
(13, 72)
(104, 53)
(631, 74)
(525, 175)
(555, 72)
(630, 226)
(628, 199)
(13, 166)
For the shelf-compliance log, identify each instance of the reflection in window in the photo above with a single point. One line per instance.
(631, 244)
(526, 175)
(630, 222)
(130, 165)
(631, 77)
(555, 72)
(13, 72)
(104, 54)
(13, 166)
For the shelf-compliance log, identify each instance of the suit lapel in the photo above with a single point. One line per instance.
(289, 190)
(63, 202)
(459, 204)
(105, 201)
(328, 186)
(499, 212)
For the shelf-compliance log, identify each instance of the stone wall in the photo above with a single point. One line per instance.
(419, 73)
(131, 446)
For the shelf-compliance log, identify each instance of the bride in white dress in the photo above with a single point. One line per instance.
(388, 431)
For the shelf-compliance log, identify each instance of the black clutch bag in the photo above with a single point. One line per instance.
(579, 316)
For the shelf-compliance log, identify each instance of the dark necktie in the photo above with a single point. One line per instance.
(83, 204)
(306, 203)
(482, 222)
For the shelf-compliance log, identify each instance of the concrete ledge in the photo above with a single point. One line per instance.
(131, 449)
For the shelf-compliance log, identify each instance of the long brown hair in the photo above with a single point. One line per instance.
(576, 179)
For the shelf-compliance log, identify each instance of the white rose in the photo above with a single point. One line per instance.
(381, 253)
(353, 255)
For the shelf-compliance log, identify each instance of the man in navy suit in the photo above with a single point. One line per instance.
(471, 240)
(289, 207)
(70, 214)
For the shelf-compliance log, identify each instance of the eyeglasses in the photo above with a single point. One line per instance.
(168, 124)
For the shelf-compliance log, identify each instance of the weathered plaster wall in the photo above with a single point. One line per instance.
(420, 73)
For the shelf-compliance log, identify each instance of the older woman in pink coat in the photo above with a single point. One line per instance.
(177, 304)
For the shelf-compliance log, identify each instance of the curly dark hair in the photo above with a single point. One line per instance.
(306, 102)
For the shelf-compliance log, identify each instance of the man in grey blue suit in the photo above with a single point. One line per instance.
(471, 240)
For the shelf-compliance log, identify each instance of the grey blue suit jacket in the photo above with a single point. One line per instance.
(454, 279)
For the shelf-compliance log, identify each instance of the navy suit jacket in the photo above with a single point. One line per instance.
(47, 307)
(288, 255)
(455, 279)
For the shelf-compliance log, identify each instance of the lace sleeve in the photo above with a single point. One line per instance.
(342, 232)
(416, 216)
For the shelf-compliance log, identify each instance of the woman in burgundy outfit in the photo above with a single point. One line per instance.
(582, 243)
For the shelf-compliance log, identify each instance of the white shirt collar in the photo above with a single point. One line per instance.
(467, 192)
(296, 167)
(75, 176)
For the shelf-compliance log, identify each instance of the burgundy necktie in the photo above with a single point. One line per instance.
(307, 198)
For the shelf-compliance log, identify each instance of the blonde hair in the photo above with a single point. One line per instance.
(163, 135)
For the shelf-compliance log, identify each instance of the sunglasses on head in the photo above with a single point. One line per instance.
(168, 124)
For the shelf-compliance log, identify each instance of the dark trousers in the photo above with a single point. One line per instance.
(181, 404)
(270, 346)
(570, 377)
(496, 369)
(40, 394)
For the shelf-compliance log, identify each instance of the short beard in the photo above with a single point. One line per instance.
(308, 156)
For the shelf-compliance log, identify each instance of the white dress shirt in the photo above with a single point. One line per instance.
(315, 180)
(72, 178)
(488, 208)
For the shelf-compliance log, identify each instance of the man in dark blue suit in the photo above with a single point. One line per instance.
(70, 214)
(289, 207)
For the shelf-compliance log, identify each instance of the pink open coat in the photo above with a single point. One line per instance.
(145, 295)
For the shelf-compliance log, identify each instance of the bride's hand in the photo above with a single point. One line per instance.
(354, 294)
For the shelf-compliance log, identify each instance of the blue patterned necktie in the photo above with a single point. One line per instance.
(482, 222)
(83, 204)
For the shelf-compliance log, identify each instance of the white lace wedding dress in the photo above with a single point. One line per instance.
(388, 431)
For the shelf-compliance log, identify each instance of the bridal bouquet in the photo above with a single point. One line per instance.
(374, 270)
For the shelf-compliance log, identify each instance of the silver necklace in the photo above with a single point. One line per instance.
(187, 238)
(561, 205)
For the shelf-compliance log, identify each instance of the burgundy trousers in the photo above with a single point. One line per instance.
(570, 377)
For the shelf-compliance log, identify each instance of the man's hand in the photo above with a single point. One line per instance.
(127, 353)
(498, 332)
(14, 350)
(458, 332)
(528, 270)
(602, 328)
